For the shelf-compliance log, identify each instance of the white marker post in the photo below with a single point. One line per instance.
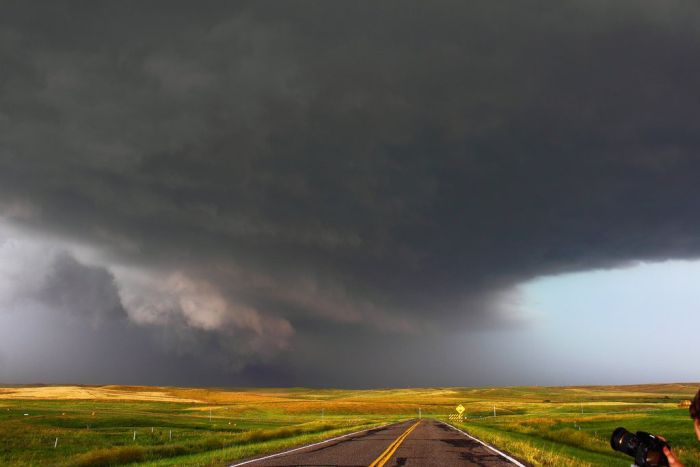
(171, 435)
(494, 410)
(55, 443)
(134, 435)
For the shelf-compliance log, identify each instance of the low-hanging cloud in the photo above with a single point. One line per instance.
(255, 178)
(81, 315)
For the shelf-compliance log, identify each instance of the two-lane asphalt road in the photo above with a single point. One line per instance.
(411, 443)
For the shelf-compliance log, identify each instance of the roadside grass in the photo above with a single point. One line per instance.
(102, 433)
(579, 433)
(543, 426)
(215, 449)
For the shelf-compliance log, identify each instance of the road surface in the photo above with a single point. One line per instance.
(413, 443)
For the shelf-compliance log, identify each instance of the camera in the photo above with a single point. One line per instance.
(646, 448)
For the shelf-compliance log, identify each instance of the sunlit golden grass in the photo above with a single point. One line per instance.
(91, 393)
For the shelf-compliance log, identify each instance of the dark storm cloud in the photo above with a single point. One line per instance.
(88, 292)
(349, 169)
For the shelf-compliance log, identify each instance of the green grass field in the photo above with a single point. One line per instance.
(175, 426)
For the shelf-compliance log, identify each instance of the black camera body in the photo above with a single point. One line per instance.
(646, 448)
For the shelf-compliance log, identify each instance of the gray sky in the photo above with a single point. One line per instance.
(326, 193)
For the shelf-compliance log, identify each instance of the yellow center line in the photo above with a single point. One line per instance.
(386, 455)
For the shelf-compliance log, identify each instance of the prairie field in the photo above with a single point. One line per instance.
(572, 426)
(123, 425)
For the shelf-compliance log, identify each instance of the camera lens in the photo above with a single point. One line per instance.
(624, 441)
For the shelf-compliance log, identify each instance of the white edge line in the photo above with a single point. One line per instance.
(311, 445)
(503, 454)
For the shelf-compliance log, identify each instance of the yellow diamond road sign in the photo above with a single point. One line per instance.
(459, 409)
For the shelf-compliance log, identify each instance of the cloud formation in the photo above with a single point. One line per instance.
(250, 179)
